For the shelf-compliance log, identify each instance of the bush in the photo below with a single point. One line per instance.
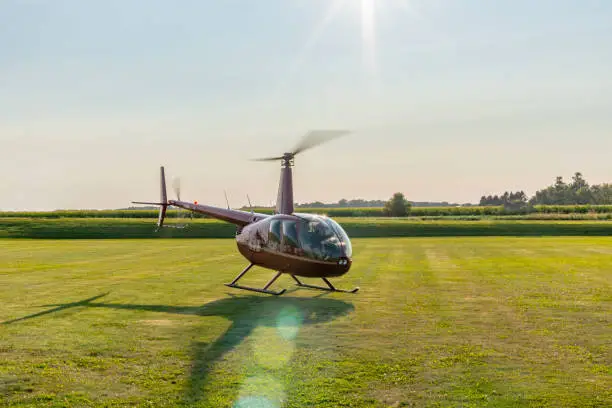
(397, 206)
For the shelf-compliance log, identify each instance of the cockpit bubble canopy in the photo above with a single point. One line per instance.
(327, 231)
(346, 242)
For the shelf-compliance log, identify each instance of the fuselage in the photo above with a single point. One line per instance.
(298, 244)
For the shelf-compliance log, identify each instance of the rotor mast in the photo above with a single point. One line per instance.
(284, 199)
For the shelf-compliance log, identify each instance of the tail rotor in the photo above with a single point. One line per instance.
(181, 213)
(176, 186)
(163, 204)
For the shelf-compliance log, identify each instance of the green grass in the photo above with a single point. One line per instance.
(366, 227)
(462, 322)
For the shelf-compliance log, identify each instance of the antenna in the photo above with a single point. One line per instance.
(226, 200)
(250, 206)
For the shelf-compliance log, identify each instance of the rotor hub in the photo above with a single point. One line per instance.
(287, 160)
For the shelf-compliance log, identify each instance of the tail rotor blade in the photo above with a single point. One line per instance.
(176, 185)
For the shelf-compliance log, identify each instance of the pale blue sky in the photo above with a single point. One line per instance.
(448, 99)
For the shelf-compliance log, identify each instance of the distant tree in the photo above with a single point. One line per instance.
(580, 190)
(511, 200)
(601, 194)
(516, 201)
(397, 206)
(578, 181)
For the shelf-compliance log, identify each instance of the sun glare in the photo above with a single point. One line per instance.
(366, 13)
(369, 13)
(368, 35)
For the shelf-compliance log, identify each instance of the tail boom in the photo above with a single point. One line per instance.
(237, 217)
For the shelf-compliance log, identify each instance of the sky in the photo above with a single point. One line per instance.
(448, 100)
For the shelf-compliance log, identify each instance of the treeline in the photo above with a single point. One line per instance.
(359, 203)
(343, 203)
(474, 211)
(508, 199)
(576, 192)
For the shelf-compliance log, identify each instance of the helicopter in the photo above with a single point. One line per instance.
(288, 242)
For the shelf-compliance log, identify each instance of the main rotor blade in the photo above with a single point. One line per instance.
(268, 159)
(317, 137)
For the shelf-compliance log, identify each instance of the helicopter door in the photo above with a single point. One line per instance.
(274, 235)
(289, 242)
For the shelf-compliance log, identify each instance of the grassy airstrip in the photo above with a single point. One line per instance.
(470, 322)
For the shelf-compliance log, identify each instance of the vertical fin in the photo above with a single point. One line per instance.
(163, 196)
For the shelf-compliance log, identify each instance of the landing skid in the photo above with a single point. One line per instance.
(330, 287)
(264, 290)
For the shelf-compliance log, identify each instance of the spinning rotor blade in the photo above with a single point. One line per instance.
(268, 159)
(176, 185)
(309, 140)
(317, 137)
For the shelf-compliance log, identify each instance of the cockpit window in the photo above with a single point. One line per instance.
(290, 237)
(318, 240)
(346, 242)
(311, 236)
(274, 235)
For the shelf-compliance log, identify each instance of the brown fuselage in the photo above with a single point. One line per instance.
(254, 244)
(293, 265)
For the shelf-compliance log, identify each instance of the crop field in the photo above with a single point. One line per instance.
(462, 322)
(366, 227)
(603, 211)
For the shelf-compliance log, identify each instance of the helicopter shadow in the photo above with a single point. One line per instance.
(246, 314)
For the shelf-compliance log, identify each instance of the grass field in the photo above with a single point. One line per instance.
(470, 322)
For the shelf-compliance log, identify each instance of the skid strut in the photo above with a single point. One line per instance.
(264, 290)
(330, 287)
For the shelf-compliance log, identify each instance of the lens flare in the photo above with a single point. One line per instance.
(288, 322)
(270, 350)
(261, 391)
(254, 402)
